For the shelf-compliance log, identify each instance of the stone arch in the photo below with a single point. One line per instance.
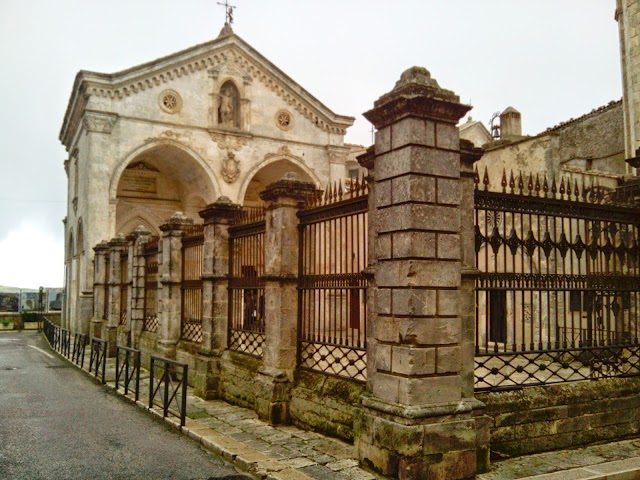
(135, 221)
(268, 171)
(158, 179)
(229, 105)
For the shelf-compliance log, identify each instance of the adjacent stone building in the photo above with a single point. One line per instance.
(174, 134)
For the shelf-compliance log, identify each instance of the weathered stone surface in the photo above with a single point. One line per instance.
(416, 159)
(414, 360)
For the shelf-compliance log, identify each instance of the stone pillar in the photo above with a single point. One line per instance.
(170, 274)
(417, 419)
(215, 314)
(628, 18)
(135, 305)
(275, 377)
(101, 251)
(117, 246)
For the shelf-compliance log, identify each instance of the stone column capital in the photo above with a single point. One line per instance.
(139, 232)
(118, 243)
(416, 94)
(222, 211)
(176, 223)
(101, 248)
(289, 186)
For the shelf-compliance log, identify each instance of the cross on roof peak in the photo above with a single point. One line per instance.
(228, 11)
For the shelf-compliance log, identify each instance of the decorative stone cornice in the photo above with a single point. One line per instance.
(101, 247)
(469, 154)
(119, 241)
(179, 136)
(176, 222)
(222, 210)
(289, 186)
(367, 159)
(140, 231)
(230, 141)
(416, 94)
(229, 49)
(100, 122)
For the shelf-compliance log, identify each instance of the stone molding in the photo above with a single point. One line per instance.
(230, 141)
(100, 122)
(221, 211)
(289, 186)
(176, 222)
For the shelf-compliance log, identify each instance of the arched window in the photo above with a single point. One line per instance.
(70, 247)
(229, 106)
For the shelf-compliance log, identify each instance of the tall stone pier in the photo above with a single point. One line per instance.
(419, 418)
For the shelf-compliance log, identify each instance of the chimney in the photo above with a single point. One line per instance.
(510, 124)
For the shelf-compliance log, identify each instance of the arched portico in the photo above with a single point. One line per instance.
(269, 171)
(157, 180)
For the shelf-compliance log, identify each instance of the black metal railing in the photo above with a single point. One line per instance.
(191, 287)
(128, 370)
(65, 342)
(246, 285)
(168, 387)
(98, 361)
(79, 345)
(558, 294)
(332, 283)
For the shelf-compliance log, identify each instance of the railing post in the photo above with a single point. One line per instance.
(274, 381)
(170, 274)
(135, 304)
(215, 296)
(417, 420)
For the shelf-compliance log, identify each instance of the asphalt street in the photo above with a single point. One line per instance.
(58, 423)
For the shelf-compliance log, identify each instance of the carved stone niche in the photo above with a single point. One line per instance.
(229, 106)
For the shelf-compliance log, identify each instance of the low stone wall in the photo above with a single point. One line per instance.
(237, 379)
(540, 419)
(147, 344)
(325, 404)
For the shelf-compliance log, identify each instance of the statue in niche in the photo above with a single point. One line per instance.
(228, 111)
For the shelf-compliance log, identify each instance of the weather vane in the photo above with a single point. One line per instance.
(228, 10)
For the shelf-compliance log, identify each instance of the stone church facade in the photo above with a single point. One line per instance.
(217, 119)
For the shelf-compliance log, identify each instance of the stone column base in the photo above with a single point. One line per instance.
(124, 337)
(206, 380)
(95, 329)
(273, 396)
(448, 441)
(110, 334)
(167, 349)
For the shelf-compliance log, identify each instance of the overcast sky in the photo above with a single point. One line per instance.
(550, 59)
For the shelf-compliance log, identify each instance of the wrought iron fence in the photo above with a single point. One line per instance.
(128, 370)
(557, 298)
(192, 258)
(168, 387)
(124, 287)
(80, 341)
(150, 255)
(98, 360)
(246, 286)
(332, 314)
(64, 342)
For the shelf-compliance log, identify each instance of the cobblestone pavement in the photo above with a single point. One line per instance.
(264, 451)
(611, 461)
(289, 453)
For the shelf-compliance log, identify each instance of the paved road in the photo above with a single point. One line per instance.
(57, 423)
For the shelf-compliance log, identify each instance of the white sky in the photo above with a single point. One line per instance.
(550, 59)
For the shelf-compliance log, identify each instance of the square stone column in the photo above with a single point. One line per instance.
(117, 246)
(215, 295)
(170, 274)
(135, 305)
(101, 251)
(273, 390)
(418, 420)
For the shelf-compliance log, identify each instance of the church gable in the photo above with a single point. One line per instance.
(191, 87)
